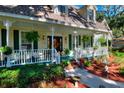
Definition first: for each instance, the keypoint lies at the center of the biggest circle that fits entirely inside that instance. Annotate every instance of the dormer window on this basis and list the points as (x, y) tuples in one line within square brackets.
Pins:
[(61, 8), (90, 14)]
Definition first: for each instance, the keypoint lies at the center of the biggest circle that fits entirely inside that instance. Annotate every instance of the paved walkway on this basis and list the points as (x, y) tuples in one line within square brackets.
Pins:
[(92, 80)]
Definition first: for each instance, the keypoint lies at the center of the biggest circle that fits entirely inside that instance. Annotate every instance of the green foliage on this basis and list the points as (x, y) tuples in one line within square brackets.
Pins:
[(66, 51), (86, 38), (65, 63), (95, 47), (24, 75), (87, 63), (6, 50), (56, 71), (121, 71), (32, 36), (119, 54), (100, 17), (102, 40)]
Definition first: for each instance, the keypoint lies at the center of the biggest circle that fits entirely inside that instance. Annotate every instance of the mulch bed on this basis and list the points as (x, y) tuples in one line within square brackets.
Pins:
[(113, 74), (57, 84)]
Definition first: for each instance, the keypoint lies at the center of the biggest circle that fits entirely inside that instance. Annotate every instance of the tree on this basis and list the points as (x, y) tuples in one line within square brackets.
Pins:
[(114, 15)]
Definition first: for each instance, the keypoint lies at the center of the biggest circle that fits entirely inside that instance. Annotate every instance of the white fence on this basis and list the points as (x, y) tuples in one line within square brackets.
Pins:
[(22, 57)]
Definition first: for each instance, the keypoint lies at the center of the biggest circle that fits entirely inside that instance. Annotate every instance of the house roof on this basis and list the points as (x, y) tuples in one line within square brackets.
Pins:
[(41, 11)]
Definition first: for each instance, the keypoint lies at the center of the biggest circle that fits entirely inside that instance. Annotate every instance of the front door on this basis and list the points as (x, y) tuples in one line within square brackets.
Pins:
[(57, 43)]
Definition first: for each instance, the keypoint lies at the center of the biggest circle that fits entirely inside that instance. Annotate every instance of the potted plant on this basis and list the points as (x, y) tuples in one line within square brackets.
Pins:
[(66, 51)]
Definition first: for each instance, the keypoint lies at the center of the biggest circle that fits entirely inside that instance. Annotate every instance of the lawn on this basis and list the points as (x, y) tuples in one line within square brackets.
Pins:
[(23, 76)]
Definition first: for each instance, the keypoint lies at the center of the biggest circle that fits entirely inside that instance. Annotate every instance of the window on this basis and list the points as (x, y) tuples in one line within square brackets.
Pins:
[(24, 43), (77, 42), (90, 14), (61, 8)]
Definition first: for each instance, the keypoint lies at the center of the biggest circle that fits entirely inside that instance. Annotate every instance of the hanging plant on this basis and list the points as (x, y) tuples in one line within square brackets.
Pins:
[(102, 40), (32, 36), (86, 38), (6, 50)]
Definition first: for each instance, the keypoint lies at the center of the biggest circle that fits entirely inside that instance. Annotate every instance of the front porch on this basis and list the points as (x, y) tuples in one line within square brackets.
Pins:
[(23, 57), (44, 50)]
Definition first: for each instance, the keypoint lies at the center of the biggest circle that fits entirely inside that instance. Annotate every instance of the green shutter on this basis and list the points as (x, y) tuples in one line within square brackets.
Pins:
[(3, 37), (79, 40), (91, 41), (16, 40), (70, 41), (83, 43), (35, 46)]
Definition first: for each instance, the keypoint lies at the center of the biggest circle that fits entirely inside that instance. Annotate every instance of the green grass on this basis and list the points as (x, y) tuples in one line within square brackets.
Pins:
[(22, 76)]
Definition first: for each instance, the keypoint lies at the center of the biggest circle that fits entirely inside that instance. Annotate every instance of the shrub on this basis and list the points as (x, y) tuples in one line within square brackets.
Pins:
[(87, 63), (23, 76), (65, 63), (56, 71), (121, 71)]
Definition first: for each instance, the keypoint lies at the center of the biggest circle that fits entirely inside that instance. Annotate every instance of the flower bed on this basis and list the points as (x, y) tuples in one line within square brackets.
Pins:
[(114, 71)]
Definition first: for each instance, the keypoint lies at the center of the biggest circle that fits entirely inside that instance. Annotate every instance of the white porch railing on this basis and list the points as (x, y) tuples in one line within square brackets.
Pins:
[(22, 57), (90, 52)]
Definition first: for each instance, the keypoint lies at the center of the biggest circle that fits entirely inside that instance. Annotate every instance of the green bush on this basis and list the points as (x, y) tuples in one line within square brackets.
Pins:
[(65, 63), (122, 71), (87, 63), (22, 76), (119, 54), (56, 71)]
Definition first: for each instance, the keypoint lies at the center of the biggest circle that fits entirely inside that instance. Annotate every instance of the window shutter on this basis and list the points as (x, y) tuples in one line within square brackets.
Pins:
[(79, 40), (16, 40), (91, 41), (35, 43), (3, 37), (83, 44), (70, 41)]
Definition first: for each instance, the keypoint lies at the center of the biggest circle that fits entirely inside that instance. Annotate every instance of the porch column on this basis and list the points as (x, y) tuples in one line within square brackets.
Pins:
[(107, 43), (75, 47), (52, 44), (0, 38), (75, 34), (7, 24)]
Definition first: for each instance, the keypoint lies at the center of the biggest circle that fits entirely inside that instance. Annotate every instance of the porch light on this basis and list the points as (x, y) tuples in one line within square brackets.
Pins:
[(75, 32)]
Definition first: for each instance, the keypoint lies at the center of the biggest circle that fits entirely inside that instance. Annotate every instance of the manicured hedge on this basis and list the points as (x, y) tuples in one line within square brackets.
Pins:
[(22, 76)]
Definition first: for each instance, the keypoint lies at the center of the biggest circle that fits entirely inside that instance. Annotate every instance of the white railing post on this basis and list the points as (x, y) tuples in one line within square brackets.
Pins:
[(8, 61)]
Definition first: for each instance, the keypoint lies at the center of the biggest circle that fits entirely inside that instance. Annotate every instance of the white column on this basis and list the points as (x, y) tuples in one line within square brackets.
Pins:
[(75, 47), (0, 37), (7, 24), (52, 43), (75, 41)]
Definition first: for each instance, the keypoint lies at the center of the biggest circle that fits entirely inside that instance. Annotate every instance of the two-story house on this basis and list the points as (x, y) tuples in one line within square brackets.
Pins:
[(59, 27)]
